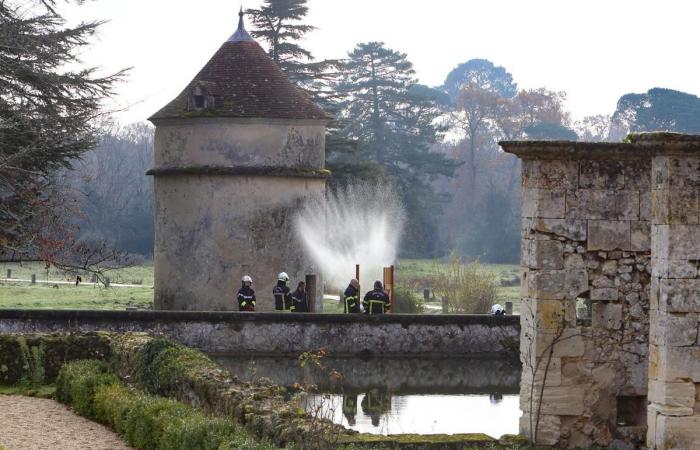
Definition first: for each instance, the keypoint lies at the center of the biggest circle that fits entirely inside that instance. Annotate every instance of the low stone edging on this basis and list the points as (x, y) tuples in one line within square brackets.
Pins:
[(284, 333)]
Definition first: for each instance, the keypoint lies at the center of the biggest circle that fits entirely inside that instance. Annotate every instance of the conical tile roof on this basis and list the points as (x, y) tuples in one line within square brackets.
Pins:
[(241, 80)]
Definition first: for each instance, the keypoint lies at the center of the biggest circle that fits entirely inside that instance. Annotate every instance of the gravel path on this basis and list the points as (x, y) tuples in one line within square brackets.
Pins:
[(28, 423)]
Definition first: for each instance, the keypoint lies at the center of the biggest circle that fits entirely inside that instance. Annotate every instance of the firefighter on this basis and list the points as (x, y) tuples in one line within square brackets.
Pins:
[(351, 297), (376, 403), (300, 298), (350, 407), (376, 301), (246, 295), (283, 299)]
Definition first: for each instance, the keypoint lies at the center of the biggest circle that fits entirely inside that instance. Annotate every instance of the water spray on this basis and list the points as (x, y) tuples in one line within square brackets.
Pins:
[(360, 225)]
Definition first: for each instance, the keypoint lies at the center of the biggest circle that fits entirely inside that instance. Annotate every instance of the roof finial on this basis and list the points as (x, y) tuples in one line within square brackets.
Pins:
[(241, 34)]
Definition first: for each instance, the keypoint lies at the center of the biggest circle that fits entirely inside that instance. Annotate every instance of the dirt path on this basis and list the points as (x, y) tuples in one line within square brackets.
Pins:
[(28, 423)]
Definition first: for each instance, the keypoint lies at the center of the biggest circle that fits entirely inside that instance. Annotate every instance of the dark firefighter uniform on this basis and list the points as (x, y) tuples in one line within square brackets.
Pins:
[(376, 302), (283, 298), (246, 299), (376, 403), (351, 300), (300, 301), (350, 408)]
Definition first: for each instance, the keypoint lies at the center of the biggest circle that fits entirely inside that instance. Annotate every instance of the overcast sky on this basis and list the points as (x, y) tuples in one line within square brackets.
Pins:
[(595, 50)]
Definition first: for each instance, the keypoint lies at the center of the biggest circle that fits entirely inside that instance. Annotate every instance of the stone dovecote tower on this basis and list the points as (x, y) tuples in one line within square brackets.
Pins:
[(235, 154)]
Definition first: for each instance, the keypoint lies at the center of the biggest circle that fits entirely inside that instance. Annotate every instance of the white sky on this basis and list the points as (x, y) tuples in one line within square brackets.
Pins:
[(595, 50)]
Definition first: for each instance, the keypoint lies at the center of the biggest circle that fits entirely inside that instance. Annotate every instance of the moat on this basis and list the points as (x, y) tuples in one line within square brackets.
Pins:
[(400, 395)]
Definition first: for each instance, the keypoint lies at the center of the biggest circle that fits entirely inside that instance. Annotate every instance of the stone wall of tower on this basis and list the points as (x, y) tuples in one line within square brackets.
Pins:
[(585, 293), (674, 369), (226, 194)]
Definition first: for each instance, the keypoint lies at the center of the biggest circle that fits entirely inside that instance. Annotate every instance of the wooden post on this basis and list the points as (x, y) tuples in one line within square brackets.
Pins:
[(509, 308), (311, 293), (9, 273), (106, 282), (33, 278), (426, 295), (389, 285), (359, 285)]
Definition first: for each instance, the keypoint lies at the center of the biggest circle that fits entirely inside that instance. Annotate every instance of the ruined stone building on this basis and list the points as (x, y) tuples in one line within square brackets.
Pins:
[(610, 314), (236, 152)]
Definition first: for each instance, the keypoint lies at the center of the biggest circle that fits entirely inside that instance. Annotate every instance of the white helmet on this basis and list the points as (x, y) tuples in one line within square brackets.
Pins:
[(283, 277), (247, 279)]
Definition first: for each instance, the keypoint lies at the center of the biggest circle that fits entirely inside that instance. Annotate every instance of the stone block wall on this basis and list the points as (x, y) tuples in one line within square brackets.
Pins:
[(585, 262), (674, 369), (280, 334)]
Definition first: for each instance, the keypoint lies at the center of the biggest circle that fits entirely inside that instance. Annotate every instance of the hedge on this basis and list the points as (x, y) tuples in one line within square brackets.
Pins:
[(37, 358), (145, 421)]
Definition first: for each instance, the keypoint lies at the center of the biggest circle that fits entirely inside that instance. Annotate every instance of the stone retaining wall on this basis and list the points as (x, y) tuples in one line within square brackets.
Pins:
[(285, 333)]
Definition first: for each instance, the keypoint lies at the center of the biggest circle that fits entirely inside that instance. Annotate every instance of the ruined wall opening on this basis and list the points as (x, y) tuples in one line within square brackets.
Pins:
[(631, 410)]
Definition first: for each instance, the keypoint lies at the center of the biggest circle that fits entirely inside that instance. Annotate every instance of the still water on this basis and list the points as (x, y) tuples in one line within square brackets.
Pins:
[(406, 395)]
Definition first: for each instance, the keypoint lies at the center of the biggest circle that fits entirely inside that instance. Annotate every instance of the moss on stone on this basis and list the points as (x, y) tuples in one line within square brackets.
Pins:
[(56, 349)]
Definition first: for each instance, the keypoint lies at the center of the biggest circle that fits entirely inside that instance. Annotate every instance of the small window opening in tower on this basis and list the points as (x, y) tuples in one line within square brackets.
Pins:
[(198, 98)]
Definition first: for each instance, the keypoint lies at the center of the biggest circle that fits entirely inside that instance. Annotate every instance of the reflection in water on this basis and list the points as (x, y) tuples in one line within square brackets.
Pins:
[(422, 414), (400, 375), (395, 396)]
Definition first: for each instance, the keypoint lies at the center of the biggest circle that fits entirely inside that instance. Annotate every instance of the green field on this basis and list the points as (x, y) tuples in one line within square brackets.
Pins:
[(415, 273), (16, 294), (419, 273)]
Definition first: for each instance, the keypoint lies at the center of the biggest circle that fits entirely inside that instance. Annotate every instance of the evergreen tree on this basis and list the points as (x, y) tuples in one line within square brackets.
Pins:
[(482, 74), (658, 110), (279, 24), (48, 104), (394, 121)]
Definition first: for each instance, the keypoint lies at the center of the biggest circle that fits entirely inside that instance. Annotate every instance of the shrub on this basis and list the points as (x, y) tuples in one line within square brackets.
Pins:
[(162, 366), (77, 382), (32, 363), (198, 432), (113, 404), (32, 359), (148, 419), (469, 288), (407, 301), (147, 422)]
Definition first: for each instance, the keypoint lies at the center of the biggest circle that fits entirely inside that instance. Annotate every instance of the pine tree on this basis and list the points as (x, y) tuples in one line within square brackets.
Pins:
[(47, 109), (279, 24), (394, 120)]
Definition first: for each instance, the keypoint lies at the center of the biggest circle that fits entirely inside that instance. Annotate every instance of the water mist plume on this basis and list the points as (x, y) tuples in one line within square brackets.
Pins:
[(356, 225)]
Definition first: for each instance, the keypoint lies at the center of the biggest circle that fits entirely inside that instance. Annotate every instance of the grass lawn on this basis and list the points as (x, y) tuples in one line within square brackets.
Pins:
[(141, 274), (23, 296), (416, 273)]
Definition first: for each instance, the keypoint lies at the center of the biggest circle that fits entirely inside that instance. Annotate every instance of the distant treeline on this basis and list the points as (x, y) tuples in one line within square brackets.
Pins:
[(436, 145)]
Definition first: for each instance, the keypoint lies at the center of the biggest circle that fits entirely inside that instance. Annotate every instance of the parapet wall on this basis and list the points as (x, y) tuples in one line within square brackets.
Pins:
[(286, 333), (610, 312)]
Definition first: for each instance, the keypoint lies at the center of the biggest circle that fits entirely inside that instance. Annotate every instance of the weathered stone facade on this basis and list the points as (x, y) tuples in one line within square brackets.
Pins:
[(225, 207), (236, 154), (610, 312)]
